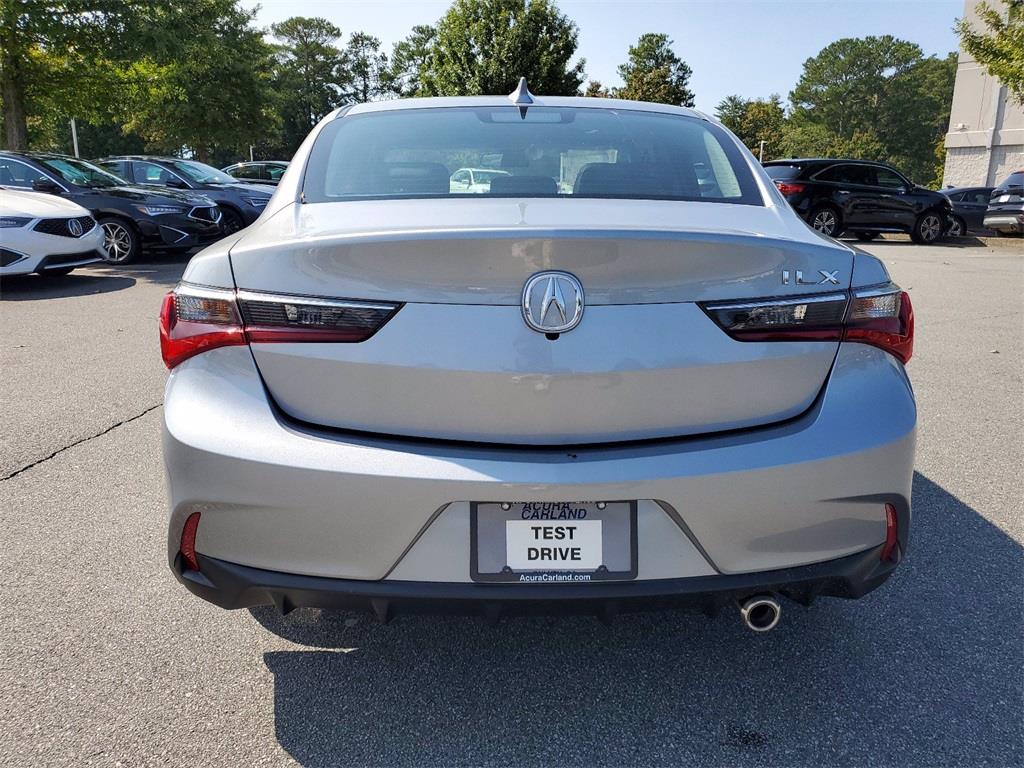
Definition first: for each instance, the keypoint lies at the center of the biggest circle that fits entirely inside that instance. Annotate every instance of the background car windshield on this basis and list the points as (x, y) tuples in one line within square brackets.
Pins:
[(548, 152), (783, 172), (201, 173), (82, 173)]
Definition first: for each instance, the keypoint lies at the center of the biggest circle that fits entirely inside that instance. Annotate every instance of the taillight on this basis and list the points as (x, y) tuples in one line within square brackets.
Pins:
[(195, 319), (788, 188), (880, 316)]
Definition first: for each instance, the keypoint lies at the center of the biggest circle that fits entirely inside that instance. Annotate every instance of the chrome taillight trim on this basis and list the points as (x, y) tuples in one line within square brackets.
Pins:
[(782, 301), (316, 301)]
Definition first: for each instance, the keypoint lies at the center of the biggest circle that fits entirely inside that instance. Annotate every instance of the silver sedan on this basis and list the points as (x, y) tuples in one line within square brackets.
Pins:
[(625, 376)]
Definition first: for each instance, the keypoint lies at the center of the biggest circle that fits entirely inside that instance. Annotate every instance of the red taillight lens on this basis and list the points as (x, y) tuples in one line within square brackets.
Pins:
[(188, 542), (881, 316), (195, 320), (788, 188), (889, 549), (883, 319)]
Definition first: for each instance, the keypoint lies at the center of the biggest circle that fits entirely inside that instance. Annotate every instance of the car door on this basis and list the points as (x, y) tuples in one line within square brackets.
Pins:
[(973, 207), (893, 204), (850, 191)]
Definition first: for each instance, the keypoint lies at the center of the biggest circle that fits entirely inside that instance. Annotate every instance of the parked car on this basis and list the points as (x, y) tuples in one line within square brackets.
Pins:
[(641, 391), (969, 205), (859, 197), (133, 218), (240, 203), (1005, 213), (474, 180), (258, 171), (45, 234)]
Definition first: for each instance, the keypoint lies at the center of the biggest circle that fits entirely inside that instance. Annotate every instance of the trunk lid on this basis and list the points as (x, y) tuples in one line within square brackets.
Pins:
[(458, 361)]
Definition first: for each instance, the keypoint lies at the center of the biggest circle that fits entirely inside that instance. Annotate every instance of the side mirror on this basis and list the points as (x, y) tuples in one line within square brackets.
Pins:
[(46, 185)]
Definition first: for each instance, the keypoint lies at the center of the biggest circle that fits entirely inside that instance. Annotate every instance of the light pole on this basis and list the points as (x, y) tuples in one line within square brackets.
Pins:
[(74, 136), (760, 154)]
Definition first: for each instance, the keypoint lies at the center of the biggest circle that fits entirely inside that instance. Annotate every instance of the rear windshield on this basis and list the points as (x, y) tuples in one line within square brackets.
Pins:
[(546, 152), (783, 172), (1013, 180)]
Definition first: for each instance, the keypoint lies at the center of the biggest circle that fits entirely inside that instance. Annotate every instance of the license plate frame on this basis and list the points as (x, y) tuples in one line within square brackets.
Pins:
[(620, 511)]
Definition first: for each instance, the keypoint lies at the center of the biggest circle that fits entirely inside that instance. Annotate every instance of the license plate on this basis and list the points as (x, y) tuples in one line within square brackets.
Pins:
[(550, 542)]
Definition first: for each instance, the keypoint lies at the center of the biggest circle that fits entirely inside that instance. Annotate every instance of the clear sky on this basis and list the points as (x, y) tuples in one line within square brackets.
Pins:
[(748, 47)]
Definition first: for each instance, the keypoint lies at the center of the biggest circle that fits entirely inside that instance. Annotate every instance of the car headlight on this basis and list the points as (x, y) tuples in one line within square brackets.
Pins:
[(159, 210), (257, 202), (10, 222)]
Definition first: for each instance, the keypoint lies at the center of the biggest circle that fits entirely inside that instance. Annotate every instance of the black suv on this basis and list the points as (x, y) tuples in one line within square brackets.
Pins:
[(860, 197), (1005, 212), (132, 217), (240, 203)]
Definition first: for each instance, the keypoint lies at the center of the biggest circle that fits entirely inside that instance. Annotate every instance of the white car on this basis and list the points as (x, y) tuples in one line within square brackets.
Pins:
[(45, 234), (474, 180)]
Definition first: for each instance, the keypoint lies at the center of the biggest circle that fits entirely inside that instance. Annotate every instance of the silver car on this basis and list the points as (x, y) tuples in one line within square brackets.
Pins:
[(627, 376)]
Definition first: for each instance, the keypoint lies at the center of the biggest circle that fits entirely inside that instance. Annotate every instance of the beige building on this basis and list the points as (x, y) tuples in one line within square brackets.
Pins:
[(985, 142)]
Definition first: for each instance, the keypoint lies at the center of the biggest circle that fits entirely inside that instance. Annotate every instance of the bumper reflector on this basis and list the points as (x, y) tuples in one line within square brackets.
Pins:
[(188, 542), (890, 552)]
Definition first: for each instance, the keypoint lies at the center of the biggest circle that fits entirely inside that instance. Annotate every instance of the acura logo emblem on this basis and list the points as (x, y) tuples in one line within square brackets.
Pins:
[(75, 227), (552, 302)]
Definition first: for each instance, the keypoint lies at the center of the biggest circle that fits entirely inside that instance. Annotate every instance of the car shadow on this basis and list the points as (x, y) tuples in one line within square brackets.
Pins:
[(925, 670), (967, 241), (78, 283)]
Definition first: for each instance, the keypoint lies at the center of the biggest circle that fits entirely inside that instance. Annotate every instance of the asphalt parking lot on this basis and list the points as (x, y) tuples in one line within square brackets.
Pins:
[(106, 660)]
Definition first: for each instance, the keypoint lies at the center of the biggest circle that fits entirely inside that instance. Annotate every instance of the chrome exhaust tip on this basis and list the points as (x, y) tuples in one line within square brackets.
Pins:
[(761, 613)]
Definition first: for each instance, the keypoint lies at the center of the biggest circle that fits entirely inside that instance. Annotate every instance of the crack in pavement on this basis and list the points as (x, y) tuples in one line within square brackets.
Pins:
[(59, 451)]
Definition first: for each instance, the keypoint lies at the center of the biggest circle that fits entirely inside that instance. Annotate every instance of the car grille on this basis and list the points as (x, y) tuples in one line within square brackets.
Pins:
[(64, 227), (209, 214), (68, 258)]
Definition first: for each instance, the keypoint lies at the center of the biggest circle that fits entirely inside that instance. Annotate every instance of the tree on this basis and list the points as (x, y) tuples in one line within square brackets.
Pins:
[(214, 91), (311, 76), (754, 121), (596, 90), (410, 62), (655, 73), (60, 52), (485, 46), (875, 98), (367, 65), (1000, 48)]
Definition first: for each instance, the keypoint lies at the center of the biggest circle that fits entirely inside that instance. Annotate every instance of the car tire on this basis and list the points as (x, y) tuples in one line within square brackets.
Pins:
[(56, 272), (120, 240), (231, 221), (957, 228), (865, 237), (927, 229), (827, 220)]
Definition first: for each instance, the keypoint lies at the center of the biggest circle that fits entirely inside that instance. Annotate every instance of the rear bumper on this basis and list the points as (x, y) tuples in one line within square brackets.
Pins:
[(276, 496), (231, 586), (1005, 222)]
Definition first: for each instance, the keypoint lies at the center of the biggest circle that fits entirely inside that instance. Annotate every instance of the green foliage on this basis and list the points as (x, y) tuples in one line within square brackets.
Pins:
[(999, 48), (596, 91), (754, 121), (874, 98), (655, 73), (410, 62), (367, 65), (310, 78), (213, 92), (485, 46)]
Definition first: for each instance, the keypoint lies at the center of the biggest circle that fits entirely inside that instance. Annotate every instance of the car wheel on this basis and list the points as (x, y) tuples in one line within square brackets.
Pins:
[(927, 228), (826, 220), (230, 221), (958, 228), (56, 272), (119, 241), (866, 236)]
